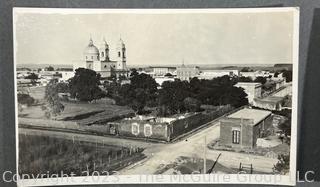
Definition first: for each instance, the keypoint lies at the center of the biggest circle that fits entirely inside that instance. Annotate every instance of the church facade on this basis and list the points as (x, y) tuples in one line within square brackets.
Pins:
[(98, 59)]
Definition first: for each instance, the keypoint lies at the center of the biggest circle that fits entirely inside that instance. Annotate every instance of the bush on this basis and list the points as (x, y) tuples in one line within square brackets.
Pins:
[(25, 99)]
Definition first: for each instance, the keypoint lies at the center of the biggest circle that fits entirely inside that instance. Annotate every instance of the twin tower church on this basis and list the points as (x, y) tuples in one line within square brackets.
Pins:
[(99, 59)]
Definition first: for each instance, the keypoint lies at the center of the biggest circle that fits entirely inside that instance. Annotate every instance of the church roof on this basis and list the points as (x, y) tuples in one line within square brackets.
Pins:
[(91, 48)]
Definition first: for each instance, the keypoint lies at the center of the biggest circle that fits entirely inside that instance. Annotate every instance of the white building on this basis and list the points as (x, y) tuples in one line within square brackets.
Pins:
[(210, 74), (252, 89), (162, 70)]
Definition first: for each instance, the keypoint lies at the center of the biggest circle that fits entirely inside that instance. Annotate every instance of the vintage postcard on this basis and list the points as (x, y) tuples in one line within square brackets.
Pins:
[(170, 96)]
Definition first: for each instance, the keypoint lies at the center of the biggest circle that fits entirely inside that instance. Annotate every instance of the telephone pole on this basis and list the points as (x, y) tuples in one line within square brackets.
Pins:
[(205, 156)]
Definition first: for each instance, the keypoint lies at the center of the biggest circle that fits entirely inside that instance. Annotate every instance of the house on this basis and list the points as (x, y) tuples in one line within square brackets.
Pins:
[(269, 103), (242, 128), (252, 89)]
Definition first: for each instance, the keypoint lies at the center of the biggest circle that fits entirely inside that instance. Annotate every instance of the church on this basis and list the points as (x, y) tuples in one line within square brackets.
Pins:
[(99, 59)]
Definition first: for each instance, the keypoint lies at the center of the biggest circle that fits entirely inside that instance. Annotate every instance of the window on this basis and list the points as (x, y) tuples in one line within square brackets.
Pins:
[(147, 130), (119, 54), (91, 57), (135, 129), (236, 136), (102, 54)]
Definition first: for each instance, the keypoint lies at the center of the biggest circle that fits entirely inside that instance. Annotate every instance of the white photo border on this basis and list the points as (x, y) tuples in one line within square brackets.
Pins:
[(173, 179)]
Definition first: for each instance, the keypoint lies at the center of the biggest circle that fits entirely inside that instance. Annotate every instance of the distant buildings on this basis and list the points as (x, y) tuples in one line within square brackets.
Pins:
[(186, 73), (162, 70), (254, 74), (242, 128), (210, 74), (252, 89)]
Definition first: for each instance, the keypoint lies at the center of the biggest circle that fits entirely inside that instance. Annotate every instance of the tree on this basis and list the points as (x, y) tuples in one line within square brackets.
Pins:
[(246, 69), (25, 99), (63, 87), (53, 107), (261, 80), (33, 78), (171, 97), (192, 104), (287, 74), (283, 164), (85, 85), (141, 91), (168, 75), (219, 91), (134, 72), (50, 68), (245, 79)]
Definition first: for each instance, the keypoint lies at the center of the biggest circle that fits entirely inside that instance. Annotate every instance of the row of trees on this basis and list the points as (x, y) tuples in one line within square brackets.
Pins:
[(176, 96), (173, 97)]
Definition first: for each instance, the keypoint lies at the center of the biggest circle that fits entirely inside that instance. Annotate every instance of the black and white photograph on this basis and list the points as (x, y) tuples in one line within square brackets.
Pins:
[(160, 96)]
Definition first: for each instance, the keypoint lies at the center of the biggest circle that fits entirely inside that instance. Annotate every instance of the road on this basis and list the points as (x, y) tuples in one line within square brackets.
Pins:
[(159, 153)]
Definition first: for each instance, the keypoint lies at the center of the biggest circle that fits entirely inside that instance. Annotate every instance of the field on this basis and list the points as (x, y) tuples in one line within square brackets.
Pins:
[(41, 154), (81, 112)]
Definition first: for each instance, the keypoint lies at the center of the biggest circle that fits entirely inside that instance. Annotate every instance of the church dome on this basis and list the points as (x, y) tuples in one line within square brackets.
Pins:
[(91, 49)]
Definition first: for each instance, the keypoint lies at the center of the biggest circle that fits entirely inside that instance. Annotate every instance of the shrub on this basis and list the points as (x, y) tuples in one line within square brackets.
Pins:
[(25, 99)]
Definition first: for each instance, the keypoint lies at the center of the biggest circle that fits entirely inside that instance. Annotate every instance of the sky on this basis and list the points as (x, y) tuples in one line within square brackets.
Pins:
[(157, 39)]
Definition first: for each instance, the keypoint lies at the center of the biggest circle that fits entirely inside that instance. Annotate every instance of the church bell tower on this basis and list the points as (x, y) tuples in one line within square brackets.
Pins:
[(121, 56), (104, 51)]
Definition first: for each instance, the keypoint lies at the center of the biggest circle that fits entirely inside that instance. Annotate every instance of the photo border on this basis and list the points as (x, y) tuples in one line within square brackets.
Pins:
[(167, 179)]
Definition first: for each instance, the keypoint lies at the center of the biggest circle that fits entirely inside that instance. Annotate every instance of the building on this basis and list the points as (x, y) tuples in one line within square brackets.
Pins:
[(269, 103), (210, 74), (161, 80), (66, 75), (185, 73), (162, 70), (254, 74), (252, 89), (99, 59), (242, 128)]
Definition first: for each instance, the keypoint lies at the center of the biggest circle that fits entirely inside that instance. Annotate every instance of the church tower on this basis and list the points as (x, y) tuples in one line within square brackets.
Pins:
[(121, 56), (104, 51)]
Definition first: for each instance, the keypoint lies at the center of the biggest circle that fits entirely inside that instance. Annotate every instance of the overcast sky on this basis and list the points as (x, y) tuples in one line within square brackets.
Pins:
[(153, 39)]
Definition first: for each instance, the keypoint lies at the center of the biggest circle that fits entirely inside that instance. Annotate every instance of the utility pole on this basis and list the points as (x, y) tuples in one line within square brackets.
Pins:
[(205, 156)]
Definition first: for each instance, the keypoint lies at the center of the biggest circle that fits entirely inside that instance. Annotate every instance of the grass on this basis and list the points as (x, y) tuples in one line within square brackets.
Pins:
[(41, 154)]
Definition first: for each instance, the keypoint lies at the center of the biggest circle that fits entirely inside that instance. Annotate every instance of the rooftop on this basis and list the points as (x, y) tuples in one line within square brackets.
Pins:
[(248, 113), (271, 99), (256, 84), (169, 67)]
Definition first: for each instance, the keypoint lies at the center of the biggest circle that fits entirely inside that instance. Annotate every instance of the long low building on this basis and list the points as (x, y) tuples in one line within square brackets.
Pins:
[(242, 128)]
